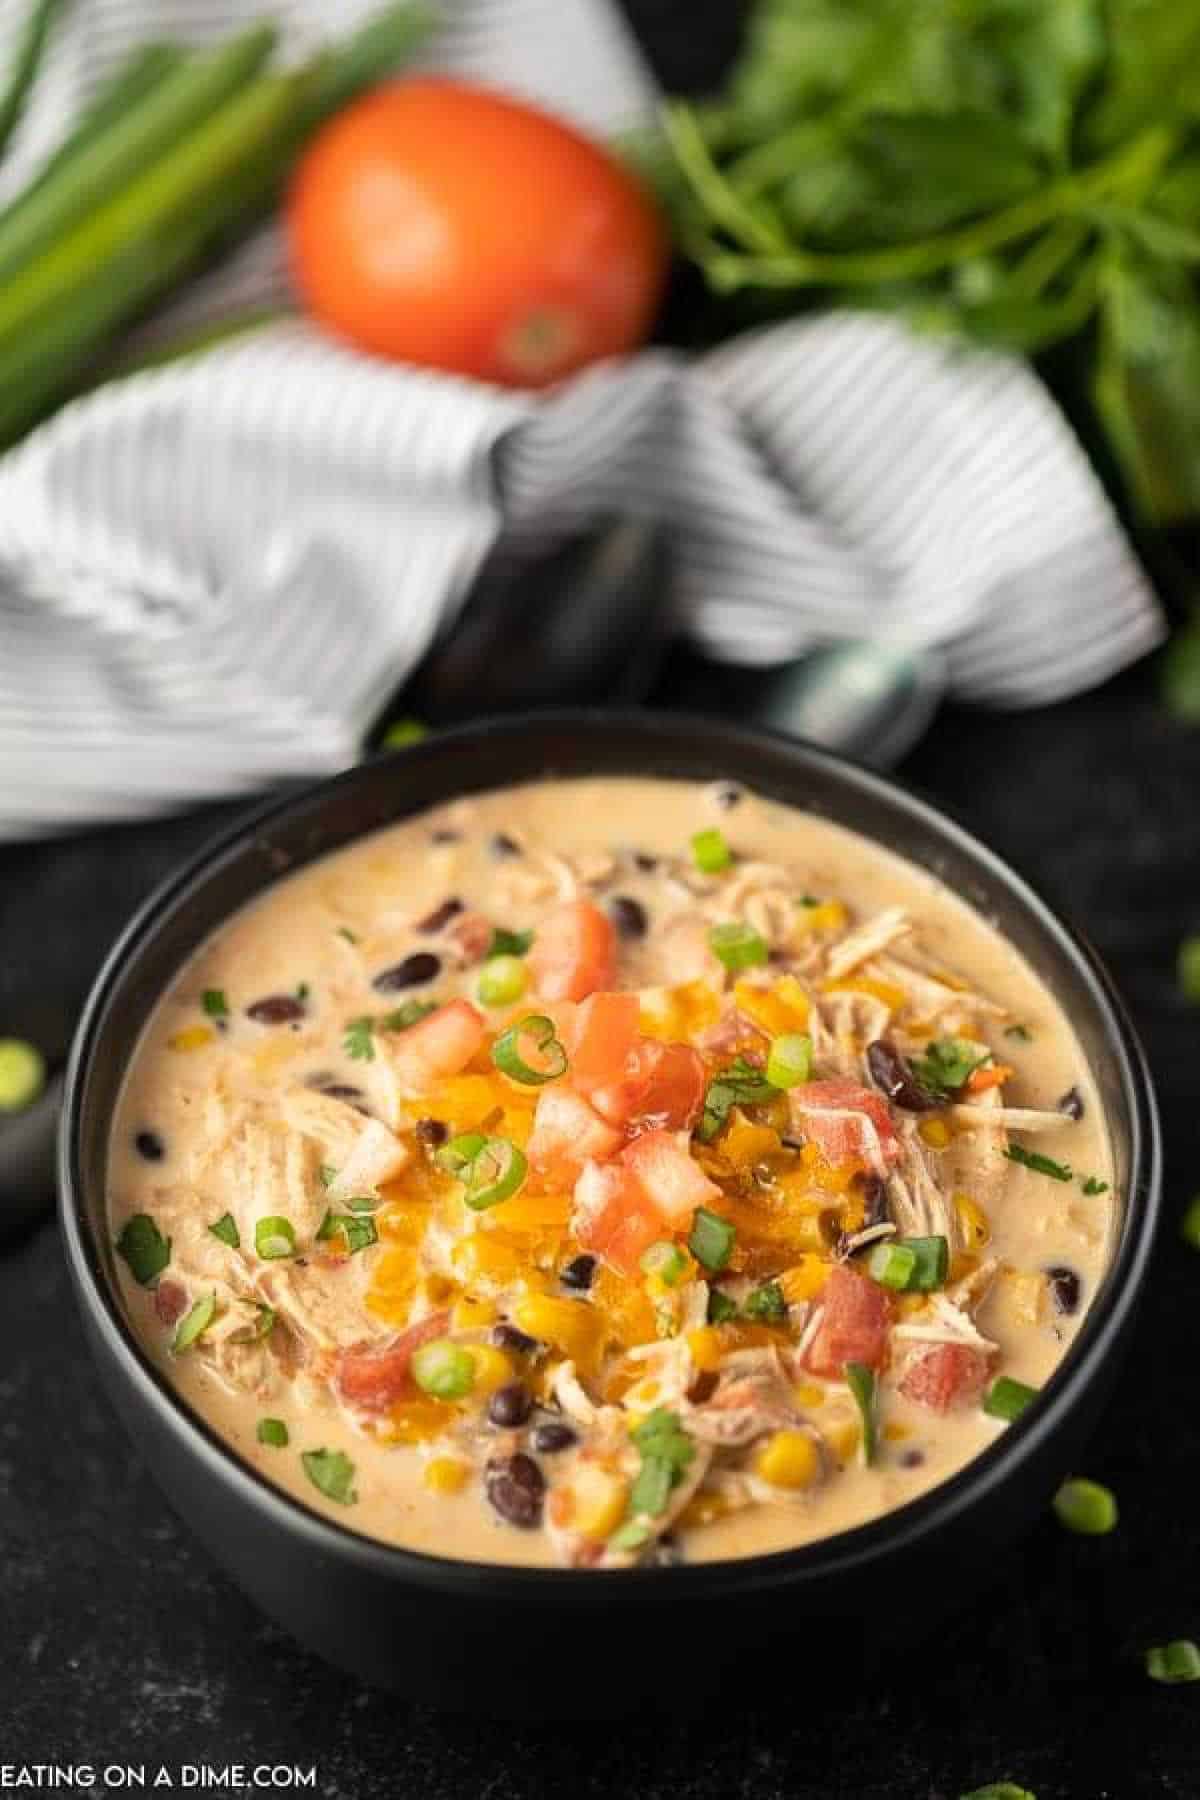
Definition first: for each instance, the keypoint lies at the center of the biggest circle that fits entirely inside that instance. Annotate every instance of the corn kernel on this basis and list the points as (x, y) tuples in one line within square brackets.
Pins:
[(572, 1326), (481, 1257), (842, 1435), (973, 1222), (789, 1459), (192, 1037), (446, 1475), (807, 1393), (706, 1348), (599, 1500), (935, 1132), (532, 1212), (471, 1314), (830, 915), (492, 1369)]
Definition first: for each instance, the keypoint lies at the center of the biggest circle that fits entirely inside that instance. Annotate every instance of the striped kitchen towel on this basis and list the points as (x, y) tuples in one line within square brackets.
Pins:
[(214, 574)]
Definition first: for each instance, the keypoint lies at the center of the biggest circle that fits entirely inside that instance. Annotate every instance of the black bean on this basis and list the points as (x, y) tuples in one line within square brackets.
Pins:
[(414, 971), (441, 915), (276, 1009), (503, 846), (1064, 1288), (874, 1194), (1072, 1103), (432, 1133), (552, 1436), (150, 1145), (578, 1273), (912, 1459), (643, 860), (515, 1487), (510, 1405), (728, 795), (893, 1077), (628, 915), (507, 1337)]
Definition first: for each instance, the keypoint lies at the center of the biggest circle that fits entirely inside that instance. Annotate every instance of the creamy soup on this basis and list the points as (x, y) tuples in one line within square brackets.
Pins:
[(608, 1170)]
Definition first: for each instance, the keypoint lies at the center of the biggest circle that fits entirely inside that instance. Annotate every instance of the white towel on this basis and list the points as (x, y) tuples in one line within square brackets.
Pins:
[(214, 574)]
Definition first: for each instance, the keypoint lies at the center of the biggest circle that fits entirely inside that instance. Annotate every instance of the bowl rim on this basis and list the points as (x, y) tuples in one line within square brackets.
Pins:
[(820, 1558)]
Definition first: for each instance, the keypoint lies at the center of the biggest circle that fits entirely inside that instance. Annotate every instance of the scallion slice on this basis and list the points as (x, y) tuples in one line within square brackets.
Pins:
[(194, 1323), (1040, 1164), (665, 1260), (144, 1248), (502, 981), (22, 1074), (274, 1237), (711, 1240), (710, 852), (443, 1369), (214, 1003), (737, 945), (910, 1265), (491, 1169), (720, 1307), (892, 1265), (273, 1432), (332, 1472), (1174, 1662), (536, 1033), (1007, 1399), (861, 1382), (1086, 1507), (790, 1061), (225, 1228), (356, 1230)]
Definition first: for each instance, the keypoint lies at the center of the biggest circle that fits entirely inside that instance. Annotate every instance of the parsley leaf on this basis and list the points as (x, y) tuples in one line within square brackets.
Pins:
[(508, 943), (357, 1041), (741, 1084), (720, 1307), (947, 1065), (333, 1473), (1041, 1165), (766, 1304), (226, 1229), (214, 1003), (144, 1248), (1093, 1185)]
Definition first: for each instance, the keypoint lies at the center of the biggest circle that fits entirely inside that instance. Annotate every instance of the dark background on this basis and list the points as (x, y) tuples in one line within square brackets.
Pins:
[(120, 1641)]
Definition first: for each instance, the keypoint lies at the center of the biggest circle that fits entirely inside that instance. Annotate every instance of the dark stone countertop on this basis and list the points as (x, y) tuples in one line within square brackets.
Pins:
[(123, 1642)]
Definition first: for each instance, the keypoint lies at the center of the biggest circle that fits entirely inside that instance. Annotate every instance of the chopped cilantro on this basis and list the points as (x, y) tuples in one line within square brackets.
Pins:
[(411, 1013), (1041, 1165), (947, 1065), (273, 1432), (356, 1232), (144, 1248), (333, 1473), (194, 1324), (214, 1003), (1093, 1185), (741, 1084), (357, 1041), (766, 1304), (226, 1229), (666, 1452), (720, 1307), (508, 943)]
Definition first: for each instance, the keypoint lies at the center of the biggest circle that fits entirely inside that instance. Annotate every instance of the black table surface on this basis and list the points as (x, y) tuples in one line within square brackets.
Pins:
[(122, 1643)]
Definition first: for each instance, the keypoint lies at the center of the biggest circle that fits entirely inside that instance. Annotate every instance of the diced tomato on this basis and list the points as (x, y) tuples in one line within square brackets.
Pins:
[(170, 1301), (662, 1082), (603, 1034), (946, 1376), (838, 1117), (567, 1133), (473, 933), (373, 1380), (574, 953), (673, 1180), (437, 1046), (614, 1216), (855, 1323)]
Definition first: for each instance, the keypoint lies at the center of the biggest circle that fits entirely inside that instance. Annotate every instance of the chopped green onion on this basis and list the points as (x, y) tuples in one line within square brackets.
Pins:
[(508, 943), (892, 1265), (443, 1369), (491, 1169), (22, 1074), (332, 1472), (356, 1233), (1189, 969), (502, 981), (1174, 1662), (1007, 1399), (362, 1203), (507, 1051), (790, 1061), (767, 1304), (710, 852), (911, 1265), (263, 1326), (720, 1307), (214, 1003), (1000, 1790), (666, 1260), (947, 1065), (1093, 1185), (711, 1241), (402, 732), (861, 1382), (736, 945), (1041, 1165), (357, 1042), (194, 1323), (632, 1535), (273, 1432), (144, 1248), (1086, 1507), (274, 1237), (226, 1229), (666, 1451), (1190, 1224), (402, 1018)]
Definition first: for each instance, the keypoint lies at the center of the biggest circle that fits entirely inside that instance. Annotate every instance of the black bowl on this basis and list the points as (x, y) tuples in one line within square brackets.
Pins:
[(549, 1641)]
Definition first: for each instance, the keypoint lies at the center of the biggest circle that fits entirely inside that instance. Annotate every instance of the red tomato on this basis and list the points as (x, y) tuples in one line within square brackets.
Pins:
[(566, 1134), (436, 222), (574, 953), (440, 1045), (373, 1380), (948, 1375), (838, 1115), (663, 1082), (615, 1218), (602, 1035), (855, 1324), (673, 1180)]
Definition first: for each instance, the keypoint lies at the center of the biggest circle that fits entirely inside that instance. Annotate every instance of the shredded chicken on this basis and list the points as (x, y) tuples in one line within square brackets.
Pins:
[(868, 940)]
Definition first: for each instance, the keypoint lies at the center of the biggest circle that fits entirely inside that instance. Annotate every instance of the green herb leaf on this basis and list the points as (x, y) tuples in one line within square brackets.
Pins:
[(194, 1323), (145, 1249), (667, 1452), (508, 943), (741, 1084), (766, 1304), (332, 1472), (411, 1013), (226, 1229), (357, 1043), (214, 1003), (357, 1233), (861, 1382), (1041, 1165), (720, 1307), (273, 1432), (711, 1240), (1174, 1662), (947, 1065), (1093, 1185)]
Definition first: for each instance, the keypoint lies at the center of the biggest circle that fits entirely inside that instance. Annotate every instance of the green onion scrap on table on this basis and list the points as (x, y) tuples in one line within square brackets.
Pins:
[(1021, 173), (178, 155)]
